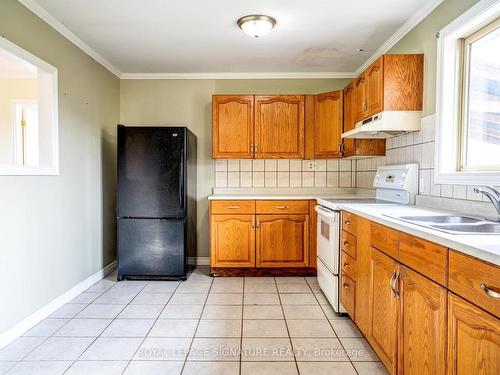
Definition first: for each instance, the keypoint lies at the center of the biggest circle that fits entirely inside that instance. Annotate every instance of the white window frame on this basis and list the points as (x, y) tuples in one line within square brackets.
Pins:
[(449, 78), (50, 162)]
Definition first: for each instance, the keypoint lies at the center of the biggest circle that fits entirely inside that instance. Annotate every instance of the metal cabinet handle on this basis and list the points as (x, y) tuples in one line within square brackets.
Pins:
[(346, 244), (258, 224), (346, 286), (251, 148), (253, 223), (234, 207), (396, 285), (347, 222), (391, 283), (490, 292), (281, 207), (346, 265), (256, 148)]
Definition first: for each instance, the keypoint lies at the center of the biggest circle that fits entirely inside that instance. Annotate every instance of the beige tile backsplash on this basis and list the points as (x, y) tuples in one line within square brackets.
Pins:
[(284, 173), (417, 147)]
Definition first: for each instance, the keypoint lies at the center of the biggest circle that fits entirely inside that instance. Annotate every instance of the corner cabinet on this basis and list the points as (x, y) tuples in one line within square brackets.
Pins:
[(279, 127), (232, 126), (390, 83), (262, 234)]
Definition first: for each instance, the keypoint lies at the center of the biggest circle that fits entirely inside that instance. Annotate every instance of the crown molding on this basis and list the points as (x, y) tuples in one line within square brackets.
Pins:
[(58, 26), (413, 21), (270, 75)]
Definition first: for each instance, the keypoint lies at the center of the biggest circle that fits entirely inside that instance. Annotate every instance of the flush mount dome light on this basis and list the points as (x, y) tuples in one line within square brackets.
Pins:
[(256, 25)]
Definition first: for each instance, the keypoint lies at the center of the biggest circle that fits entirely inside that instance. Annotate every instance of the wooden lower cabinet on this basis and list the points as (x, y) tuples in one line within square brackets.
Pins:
[(282, 241), (422, 325), (384, 309), (232, 240), (473, 339), (348, 295)]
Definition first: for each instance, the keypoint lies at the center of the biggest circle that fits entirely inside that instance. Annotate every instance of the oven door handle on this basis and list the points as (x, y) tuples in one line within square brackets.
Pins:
[(326, 213)]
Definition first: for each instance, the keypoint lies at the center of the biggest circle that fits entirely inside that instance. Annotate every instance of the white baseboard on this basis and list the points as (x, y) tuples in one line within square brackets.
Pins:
[(26, 324), (199, 261)]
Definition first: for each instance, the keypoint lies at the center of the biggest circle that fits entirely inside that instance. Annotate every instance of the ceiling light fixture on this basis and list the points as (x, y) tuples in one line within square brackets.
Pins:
[(256, 25)]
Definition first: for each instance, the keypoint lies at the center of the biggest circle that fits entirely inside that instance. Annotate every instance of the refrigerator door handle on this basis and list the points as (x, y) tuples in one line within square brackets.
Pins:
[(181, 180)]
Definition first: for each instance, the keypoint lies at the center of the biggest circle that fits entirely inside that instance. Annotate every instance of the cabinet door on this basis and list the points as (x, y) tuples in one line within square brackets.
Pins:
[(375, 87), (384, 309), (232, 242), (473, 339), (282, 241), (328, 125), (360, 102), (348, 123), (279, 127), (232, 126), (422, 327)]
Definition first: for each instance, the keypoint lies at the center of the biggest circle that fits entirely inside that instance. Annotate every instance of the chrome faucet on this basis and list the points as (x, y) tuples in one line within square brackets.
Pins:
[(493, 195)]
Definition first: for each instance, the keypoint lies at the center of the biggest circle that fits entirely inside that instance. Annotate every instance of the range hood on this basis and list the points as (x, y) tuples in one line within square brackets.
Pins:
[(386, 124)]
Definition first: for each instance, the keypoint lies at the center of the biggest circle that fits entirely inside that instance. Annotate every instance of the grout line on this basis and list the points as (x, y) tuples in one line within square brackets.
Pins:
[(241, 330), (286, 325), (197, 325), (144, 338)]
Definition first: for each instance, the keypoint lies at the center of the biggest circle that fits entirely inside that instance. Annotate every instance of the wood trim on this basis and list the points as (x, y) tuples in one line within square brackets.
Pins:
[(258, 272), (309, 126), (313, 245)]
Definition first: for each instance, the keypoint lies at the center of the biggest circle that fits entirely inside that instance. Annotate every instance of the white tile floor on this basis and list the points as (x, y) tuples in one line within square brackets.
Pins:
[(204, 326)]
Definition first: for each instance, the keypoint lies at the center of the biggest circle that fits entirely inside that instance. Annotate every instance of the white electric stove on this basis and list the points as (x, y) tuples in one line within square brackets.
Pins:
[(394, 184)]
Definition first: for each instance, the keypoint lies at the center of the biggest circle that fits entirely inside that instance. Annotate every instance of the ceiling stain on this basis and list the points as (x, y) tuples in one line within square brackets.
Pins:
[(318, 56)]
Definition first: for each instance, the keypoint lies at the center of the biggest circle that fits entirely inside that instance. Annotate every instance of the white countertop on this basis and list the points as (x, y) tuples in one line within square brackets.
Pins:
[(482, 246)]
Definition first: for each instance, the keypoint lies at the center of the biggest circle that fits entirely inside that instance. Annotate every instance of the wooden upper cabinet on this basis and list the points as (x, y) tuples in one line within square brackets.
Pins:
[(360, 98), (403, 80), (375, 87), (232, 126), (232, 240), (279, 126), (422, 325), (328, 125), (282, 241), (348, 123), (384, 309), (473, 339)]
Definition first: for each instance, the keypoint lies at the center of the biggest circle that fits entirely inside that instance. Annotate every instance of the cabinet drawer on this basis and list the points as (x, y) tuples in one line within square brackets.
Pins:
[(349, 222), (283, 207), (347, 293), (348, 264), (425, 257), (348, 243), (476, 281), (233, 207), (385, 239)]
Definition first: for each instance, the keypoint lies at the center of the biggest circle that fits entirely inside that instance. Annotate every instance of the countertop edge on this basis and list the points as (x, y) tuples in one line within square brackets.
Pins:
[(429, 235)]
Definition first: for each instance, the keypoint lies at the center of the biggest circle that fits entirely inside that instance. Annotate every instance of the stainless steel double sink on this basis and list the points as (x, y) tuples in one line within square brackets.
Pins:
[(453, 224)]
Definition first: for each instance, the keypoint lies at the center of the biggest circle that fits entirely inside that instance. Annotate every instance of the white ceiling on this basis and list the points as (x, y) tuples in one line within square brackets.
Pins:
[(201, 36)]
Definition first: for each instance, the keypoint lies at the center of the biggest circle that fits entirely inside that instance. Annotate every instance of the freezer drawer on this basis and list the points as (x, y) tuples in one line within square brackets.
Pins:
[(329, 284), (151, 248)]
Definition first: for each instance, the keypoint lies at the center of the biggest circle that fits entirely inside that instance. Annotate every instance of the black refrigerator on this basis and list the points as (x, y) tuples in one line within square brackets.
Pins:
[(156, 201)]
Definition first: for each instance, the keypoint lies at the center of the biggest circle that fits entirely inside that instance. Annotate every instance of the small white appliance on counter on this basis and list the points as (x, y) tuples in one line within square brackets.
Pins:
[(394, 184)]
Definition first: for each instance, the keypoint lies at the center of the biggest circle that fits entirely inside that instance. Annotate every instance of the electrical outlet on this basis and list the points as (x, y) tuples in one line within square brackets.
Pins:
[(311, 166)]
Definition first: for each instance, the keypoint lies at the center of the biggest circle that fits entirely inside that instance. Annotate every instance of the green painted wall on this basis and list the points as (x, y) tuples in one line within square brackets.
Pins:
[(188, 102), (422, 39), (58, 230)]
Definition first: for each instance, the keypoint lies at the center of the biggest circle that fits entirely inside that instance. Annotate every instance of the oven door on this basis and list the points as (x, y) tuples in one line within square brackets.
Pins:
[(328, 238)]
